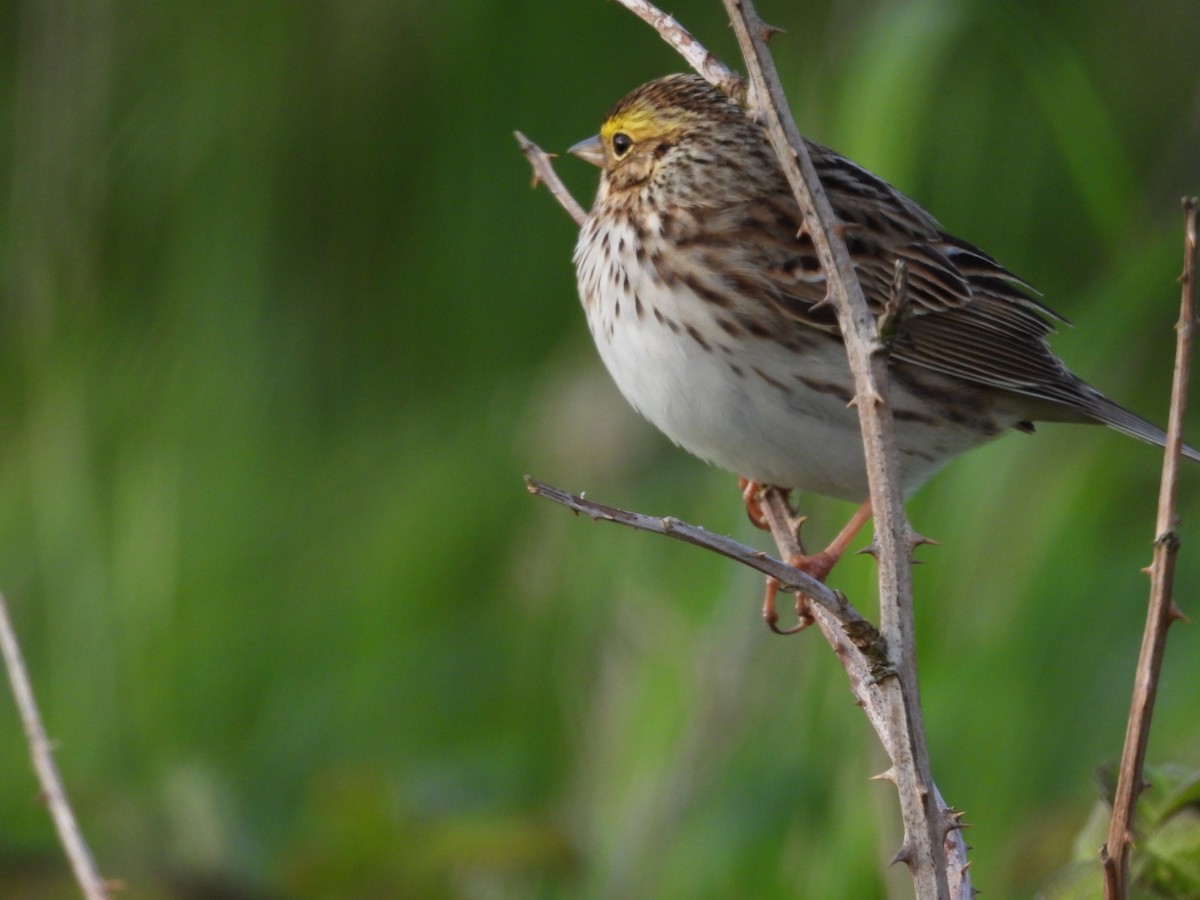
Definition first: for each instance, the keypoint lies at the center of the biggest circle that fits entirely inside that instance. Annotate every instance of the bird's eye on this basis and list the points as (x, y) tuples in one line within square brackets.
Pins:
[(621, 143)]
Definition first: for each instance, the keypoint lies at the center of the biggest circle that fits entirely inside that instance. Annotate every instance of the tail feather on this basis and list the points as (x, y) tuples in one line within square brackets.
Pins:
[(1120, 419)]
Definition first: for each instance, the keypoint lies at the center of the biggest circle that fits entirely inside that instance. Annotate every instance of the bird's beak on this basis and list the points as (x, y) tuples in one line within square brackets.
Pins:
[(590, 150)]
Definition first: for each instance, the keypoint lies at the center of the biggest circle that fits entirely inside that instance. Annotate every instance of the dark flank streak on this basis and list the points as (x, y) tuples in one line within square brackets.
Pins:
[(803, 262), (754, 326), (705, 292), (696, 336), (956, 404), (911, 415), (771, 381), (730, 327), (826, 387)]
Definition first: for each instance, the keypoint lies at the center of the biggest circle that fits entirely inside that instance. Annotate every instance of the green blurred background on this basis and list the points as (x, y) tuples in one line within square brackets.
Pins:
[(283, 326)]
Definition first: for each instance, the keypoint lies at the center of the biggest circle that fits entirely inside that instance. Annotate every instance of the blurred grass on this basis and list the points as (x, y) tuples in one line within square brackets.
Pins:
[(283, 326)]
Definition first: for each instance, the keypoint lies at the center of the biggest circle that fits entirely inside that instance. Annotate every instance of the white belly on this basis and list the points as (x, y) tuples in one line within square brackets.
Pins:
[(746, 403)]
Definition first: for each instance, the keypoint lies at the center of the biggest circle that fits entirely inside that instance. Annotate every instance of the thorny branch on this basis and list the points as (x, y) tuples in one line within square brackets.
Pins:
[(1162, 611), (842, 618), (924, 824)]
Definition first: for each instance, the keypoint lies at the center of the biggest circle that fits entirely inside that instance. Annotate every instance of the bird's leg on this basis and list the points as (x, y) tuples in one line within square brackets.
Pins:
[(771, 616), (817, 565), (751, 496)]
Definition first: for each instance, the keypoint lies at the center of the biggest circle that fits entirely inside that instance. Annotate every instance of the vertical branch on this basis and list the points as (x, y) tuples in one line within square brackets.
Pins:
[(924, 825), (90, 883), (1162, 610)]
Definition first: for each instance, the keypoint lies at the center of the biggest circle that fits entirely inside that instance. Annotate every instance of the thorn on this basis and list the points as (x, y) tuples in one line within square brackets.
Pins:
[(888, 775), (916, 539), (950, 828), (955, 823), (904, 855), (873, 400), (825, 302), (769, 31), (1175, 614), (872, 549)]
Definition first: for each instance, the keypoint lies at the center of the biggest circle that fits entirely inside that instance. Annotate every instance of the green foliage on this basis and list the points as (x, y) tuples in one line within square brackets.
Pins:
[(283, 326), (1165, 856)]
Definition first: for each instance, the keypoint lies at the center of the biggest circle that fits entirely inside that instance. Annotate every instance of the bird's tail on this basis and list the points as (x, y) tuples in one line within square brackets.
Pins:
[(1119, 418)]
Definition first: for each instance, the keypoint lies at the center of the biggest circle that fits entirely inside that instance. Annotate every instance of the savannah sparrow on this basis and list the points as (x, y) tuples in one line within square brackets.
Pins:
[(704, 296)]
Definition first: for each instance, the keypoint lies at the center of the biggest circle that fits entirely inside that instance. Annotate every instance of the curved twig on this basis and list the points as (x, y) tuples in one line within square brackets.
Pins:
[(705, 63), (790, 579)]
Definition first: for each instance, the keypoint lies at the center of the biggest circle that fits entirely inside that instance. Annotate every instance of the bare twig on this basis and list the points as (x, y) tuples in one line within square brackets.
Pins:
[(84, 866), (1162, 610), (705, 63), (790, 579), (543, 173), (924, 824)]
